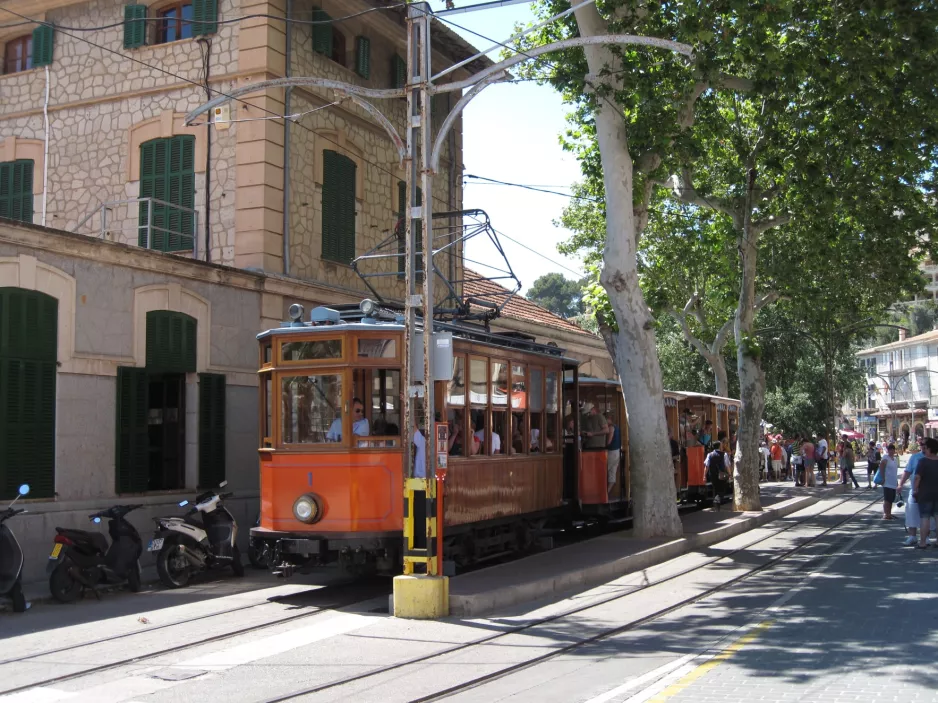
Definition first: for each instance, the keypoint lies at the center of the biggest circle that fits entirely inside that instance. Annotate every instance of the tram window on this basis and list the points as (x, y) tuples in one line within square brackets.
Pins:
[(478, 382), (518, 432), (456, 389), (499, 384), (519, 395), (457, 432), (537, 438), (499, 431), (553, 411), (480, 431), (537, 390), (311, 411), (370, 348), (311, 351), (385, 402), (267, 355), (267, 418)]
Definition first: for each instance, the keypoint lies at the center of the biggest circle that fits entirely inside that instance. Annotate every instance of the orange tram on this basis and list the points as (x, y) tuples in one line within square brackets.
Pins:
[(332, 456)]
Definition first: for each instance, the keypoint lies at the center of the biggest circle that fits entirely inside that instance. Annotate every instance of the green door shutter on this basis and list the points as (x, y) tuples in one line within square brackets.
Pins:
[(42, 45), (28, 351), (16, 190), (363, 56), (338, 207), (131, 460), (135, 26), (171, 342), (211, 429), (204, 17), (322, 33), (167, 173)]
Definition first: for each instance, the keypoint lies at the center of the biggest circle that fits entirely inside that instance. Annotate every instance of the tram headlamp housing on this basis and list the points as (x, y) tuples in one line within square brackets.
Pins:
[(308, 508)]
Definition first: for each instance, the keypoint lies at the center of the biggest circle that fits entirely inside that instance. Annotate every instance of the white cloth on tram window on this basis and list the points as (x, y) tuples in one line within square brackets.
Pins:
[(360, 428), (420, 456), (496, 441)]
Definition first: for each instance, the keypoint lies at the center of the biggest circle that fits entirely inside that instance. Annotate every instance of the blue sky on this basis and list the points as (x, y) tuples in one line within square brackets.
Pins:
[(511, 134)]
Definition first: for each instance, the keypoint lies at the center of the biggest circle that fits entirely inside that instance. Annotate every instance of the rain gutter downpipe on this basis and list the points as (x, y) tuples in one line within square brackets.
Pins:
[(45, 156)]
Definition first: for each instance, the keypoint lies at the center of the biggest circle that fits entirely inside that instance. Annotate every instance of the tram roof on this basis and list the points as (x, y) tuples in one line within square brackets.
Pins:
[(679, 395), (351, 319)]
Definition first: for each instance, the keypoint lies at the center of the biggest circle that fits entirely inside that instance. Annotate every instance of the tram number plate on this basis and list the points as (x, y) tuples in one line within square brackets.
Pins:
[(155, 545), (56, 550)]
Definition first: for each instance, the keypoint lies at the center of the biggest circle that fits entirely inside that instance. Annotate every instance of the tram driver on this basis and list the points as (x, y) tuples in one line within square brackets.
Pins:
[(360, 427)]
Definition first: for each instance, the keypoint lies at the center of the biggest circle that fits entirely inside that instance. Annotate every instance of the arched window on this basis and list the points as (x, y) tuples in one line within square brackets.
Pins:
[(338, 207), (28, 347), (167, 175), (18, 54)]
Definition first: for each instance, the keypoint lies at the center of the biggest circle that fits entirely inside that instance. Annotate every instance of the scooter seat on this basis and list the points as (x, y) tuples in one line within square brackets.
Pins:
[(94, 540)]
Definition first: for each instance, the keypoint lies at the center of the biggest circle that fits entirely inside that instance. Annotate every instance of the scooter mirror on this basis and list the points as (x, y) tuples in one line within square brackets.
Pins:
[(24, 489), (97, 520), (183, 503), (222, 484)]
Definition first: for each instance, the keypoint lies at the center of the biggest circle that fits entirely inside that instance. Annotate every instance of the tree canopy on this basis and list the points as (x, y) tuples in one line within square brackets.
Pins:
[(558, 294)]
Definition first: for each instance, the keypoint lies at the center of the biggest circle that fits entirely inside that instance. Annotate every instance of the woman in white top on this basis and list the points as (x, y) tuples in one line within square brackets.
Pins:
[(889, 468)]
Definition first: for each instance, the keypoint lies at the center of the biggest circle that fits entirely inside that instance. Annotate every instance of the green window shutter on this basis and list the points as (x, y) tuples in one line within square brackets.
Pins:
[(135, 26), (363, 57), (322, 33), (16, 190), (167, 173), (398, 72), (338, 207), (204, 17), (171, 342), (131, 456), (42, 45), (28, 350), (212, 396)]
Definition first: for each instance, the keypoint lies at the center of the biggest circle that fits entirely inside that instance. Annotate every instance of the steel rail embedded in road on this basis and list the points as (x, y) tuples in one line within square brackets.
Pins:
[(589, 640), (319, 610)]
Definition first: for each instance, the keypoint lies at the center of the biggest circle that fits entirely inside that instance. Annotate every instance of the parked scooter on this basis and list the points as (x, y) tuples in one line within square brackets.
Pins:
[(81, 559), (11, 557), (203, 539)]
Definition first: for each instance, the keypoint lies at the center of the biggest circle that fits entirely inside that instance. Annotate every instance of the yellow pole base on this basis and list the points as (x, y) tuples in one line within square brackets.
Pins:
[(421, 597)]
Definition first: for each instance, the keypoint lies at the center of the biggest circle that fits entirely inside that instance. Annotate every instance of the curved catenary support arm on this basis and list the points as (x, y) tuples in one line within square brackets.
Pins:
[(456, 112), (479, 81), (652, 42), (382, 120), (296, 82)]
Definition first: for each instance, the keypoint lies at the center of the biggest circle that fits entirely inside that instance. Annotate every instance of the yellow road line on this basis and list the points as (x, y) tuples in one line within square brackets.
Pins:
[(711, 664)]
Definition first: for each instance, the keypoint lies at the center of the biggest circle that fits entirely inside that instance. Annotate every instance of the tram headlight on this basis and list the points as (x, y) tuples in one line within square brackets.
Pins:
[(307, 508)]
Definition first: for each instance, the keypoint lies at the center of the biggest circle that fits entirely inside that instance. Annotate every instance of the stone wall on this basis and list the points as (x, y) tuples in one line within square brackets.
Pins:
[(96, 96)]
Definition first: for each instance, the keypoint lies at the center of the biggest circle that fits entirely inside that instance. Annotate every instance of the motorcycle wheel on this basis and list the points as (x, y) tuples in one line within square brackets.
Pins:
[(260, 559), (133, 578), (63, 587), (19, 600), (237, 566), (172, 567)]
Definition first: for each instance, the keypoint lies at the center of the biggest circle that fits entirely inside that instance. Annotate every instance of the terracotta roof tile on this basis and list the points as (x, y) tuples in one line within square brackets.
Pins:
[(518, 307)]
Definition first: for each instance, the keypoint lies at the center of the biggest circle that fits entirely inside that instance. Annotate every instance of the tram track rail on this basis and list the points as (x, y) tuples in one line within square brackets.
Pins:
[(349, 600), (586, 641)]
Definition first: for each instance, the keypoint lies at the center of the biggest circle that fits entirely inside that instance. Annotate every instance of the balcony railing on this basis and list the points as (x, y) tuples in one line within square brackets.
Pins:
[(145, 222)]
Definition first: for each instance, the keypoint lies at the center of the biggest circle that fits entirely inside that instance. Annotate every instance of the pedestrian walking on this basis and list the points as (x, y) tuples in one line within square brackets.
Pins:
[(925, 493), (873, 458), (822, 455), (613, 452), (765, 455), (889, 474), (717, 463), (846, 465), (912, 515), (778, 459), (807, 456)]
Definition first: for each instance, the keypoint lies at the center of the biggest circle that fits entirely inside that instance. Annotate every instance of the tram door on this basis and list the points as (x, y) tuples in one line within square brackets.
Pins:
[(571, 431)]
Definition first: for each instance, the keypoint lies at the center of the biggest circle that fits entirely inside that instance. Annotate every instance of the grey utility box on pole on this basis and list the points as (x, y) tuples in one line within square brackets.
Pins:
[(441, 356)]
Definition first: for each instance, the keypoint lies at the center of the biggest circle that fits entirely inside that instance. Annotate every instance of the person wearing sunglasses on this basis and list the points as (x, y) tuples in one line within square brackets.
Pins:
[(360, 425)]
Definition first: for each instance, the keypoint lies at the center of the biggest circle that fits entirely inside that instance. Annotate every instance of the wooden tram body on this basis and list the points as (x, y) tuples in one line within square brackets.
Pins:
[(332, 480)]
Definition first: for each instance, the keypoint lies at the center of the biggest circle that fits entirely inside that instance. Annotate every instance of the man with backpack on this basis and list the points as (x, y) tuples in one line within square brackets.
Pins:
[(873, 457), (717, 463)]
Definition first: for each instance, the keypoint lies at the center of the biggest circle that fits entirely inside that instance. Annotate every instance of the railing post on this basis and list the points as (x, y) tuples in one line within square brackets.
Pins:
[(103, 221), (149, 220), (195, 238)]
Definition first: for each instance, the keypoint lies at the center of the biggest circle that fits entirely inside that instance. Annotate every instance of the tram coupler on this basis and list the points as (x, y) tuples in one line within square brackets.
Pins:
[(283, 571)]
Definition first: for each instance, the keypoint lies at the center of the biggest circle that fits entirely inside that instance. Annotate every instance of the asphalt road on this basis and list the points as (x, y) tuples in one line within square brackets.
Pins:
[(850, 615)]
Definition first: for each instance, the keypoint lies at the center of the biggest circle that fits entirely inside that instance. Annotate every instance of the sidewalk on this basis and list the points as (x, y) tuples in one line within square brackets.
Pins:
[(593, 562)]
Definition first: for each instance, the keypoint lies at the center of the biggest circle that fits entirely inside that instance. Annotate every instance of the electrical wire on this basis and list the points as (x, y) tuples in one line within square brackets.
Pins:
[(30, 21), (534, 251), (492, 181)]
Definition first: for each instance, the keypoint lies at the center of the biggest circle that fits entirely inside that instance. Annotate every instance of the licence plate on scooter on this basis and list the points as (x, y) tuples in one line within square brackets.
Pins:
[(155, 544), (56, 550)]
